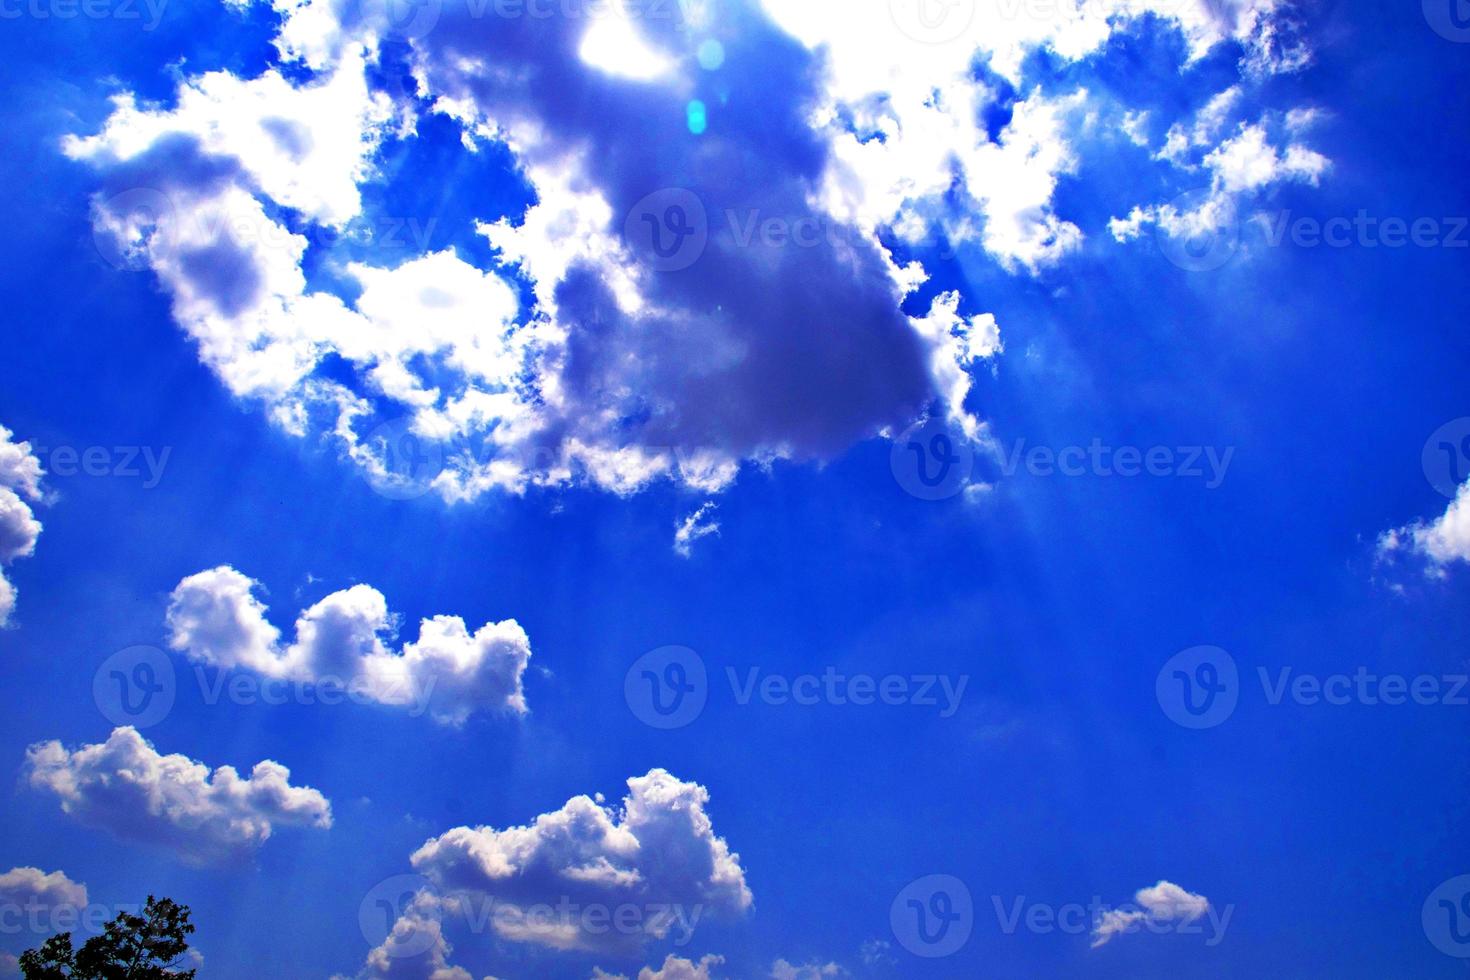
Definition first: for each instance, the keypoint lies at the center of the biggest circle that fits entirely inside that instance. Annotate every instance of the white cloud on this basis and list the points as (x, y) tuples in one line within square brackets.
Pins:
[(215, 618), (1441, 542), (782, 970), (677, 968), (415, 948), (593, 877), (1164, 902), (306, 147), (620, 375), (1240, 160), (124, 786), (1248, 161), (25, 887), (20, 485), (696, 525), (957, 343)]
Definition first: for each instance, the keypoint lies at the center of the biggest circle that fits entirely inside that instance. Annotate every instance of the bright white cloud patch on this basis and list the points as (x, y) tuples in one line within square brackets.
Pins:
[(415, 948), (1238, 162), (1162, 903), (20, 485), (124, 786), (673, 968), (594, 877), (1441, 542), (842, 138), (215, 618), (783, 970), (700, 523), (27, 888)]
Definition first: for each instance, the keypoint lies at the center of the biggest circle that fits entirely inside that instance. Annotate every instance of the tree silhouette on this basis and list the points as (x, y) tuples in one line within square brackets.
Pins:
[(131, 947)]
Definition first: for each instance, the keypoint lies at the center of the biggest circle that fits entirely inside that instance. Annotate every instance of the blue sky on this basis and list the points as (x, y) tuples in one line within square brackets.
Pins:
[(1037, 229)]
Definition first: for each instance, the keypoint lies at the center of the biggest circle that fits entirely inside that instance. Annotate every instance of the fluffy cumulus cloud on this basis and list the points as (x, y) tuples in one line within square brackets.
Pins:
[(783, 970), (27, 888), (20, 486), (1440, 542), (589, 876), (124, 786), (1233, 158), (215, 618), (415, 947), (673, 968), (1163, 903), (715, 265)]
